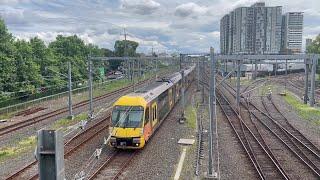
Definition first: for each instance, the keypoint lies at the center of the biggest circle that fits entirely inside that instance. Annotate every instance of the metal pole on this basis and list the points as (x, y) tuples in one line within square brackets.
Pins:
[(182, 118), (90, 90), (313, 80), (202, 74), (198, 73), (255, 70), (275, 69), (225, 67), (133, 75), (306, 82), (212, 109), (238, 84), (156, 68), (70, 90), (285, 84), (252, 74), (180, 62)]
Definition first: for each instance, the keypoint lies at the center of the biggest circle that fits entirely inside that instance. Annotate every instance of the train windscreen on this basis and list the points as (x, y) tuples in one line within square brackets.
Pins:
[(127, 116)]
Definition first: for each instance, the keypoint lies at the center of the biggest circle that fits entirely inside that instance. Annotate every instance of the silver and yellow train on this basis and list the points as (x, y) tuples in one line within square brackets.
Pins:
[(136, 116)]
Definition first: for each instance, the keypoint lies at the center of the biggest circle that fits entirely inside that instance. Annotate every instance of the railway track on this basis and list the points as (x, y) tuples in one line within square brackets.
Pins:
[(62, 111), (73, 144), (275, 122), (200, 141), (264, 162), (114, 165)]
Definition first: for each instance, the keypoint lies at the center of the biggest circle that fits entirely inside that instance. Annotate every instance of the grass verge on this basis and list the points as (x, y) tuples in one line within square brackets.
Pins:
[(29, 143), (191, 116), (304, 111), (21, 146)]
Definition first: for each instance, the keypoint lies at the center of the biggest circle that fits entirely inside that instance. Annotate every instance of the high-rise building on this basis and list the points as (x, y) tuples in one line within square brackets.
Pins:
[(224, 34), (292, 28), (252, 30)]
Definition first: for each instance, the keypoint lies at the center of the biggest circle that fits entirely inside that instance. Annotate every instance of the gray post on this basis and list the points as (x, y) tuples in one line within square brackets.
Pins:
[(275, 69), (255, 70), (225, 67), (306, 82), (70, 90), (212, 110), (198, 73), (238, 84), (50, 155), (156, 68), (133, 85), (182, 118), (202, 74), (313, 80), (90, 90), (286, 73), (180, 62), (252, 73)]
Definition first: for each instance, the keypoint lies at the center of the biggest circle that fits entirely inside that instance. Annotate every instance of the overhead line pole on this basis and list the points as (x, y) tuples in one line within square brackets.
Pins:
[(70, 90), (90, 89), (212, 110)]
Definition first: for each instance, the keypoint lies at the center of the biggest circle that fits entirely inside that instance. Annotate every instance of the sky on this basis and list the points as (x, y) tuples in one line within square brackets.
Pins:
[(166, 25)]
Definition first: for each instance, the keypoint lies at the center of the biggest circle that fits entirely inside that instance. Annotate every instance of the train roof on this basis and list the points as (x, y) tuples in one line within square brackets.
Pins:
[(159, 86)]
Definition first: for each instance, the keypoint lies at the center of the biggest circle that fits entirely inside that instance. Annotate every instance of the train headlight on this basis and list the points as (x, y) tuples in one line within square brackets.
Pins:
[(136, 141), (113, 140)]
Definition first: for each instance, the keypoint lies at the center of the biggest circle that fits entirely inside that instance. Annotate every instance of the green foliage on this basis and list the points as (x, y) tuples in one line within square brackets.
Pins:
[(21, 146), (30, 66), (125, 48), (315, 48), (191, 116), (305, 111)]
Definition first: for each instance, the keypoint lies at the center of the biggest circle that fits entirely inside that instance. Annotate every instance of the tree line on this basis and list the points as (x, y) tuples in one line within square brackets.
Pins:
[(31, 66), (314, 47)]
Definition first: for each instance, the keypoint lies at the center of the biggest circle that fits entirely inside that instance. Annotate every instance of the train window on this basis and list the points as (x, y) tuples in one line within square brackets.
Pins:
[(146, 118)]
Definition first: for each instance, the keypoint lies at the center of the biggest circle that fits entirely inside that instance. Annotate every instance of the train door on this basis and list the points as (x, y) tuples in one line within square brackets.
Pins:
[(170, 98), (147, 125), (174, 94), (154, 114)]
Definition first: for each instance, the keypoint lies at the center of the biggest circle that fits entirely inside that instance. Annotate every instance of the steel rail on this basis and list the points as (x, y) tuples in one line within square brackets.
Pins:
[(293, 147), (71, 149), (110, 159), (254, 147)]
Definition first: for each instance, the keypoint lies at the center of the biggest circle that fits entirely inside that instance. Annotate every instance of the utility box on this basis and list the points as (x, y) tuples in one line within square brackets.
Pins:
[(50, 155)]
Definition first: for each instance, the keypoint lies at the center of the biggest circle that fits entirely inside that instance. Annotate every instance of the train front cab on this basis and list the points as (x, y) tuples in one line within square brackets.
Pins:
[(130, 128)]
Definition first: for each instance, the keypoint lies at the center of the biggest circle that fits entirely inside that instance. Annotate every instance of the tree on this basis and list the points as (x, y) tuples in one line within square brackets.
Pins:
[(315, 48), (7, 64), (42, 55), (27, 70), (130, 50), (73, 49)]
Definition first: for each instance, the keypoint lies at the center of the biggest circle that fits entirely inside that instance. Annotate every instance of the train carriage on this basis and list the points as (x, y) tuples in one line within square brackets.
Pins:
[(136, 116)]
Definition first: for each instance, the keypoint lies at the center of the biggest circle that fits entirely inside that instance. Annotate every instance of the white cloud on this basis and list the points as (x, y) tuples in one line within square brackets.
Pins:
[(142, 7), (190, 9), (179, 25)]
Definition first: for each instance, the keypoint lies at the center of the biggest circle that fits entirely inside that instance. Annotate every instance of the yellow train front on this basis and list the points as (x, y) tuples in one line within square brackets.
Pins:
[(136, 116)]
